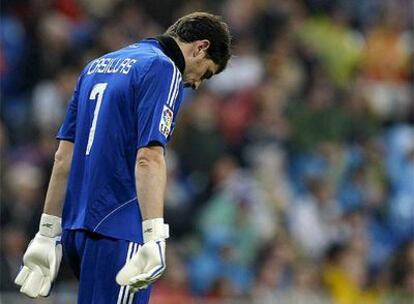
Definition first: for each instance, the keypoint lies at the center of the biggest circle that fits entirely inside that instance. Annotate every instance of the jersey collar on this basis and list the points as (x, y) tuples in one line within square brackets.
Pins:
[(172, 50)]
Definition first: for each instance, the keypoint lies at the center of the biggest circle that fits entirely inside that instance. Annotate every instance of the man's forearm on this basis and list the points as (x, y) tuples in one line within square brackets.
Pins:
[(59, 179), (151, 177)]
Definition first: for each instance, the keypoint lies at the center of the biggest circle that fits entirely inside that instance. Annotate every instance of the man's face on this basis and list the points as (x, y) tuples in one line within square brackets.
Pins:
[(198, 66)]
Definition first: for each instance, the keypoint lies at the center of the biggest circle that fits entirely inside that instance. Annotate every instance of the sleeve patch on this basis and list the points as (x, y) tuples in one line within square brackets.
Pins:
[(166, 121)]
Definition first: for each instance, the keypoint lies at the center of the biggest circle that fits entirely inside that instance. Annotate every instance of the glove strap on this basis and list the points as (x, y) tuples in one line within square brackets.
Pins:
[(155, 229), (50, 225)]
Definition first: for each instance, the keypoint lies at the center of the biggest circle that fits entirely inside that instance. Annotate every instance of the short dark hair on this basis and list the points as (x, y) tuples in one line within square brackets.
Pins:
[(201, 25)]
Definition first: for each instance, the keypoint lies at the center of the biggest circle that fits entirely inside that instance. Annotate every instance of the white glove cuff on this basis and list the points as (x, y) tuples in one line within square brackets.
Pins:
[(50, 225), (155, 229)]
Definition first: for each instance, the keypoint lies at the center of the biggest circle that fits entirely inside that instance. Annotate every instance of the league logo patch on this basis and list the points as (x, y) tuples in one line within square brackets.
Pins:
[(166, 121)]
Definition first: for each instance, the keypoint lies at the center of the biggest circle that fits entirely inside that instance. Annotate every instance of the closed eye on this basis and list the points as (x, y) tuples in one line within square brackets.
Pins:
[(207, 75)]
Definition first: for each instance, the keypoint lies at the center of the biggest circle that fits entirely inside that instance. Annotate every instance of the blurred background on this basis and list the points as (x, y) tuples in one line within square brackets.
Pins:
[(291, 174)]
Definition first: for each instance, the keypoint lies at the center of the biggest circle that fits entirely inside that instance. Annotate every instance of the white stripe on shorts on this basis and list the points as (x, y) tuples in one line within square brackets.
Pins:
[(129, 296), (122, 289)]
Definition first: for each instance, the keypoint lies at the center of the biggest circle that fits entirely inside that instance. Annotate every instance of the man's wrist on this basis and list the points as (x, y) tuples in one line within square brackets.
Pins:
[(50, 225), (154, 229)]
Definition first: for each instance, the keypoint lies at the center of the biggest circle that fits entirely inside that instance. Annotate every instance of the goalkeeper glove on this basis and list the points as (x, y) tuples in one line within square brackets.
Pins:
[(148, 264), (42, 259)]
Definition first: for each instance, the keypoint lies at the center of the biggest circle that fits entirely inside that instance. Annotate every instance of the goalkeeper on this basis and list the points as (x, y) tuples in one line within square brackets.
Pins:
[(110, 170)]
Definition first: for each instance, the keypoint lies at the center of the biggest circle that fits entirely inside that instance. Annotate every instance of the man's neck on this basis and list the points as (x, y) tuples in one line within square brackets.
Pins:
[(172, 49)]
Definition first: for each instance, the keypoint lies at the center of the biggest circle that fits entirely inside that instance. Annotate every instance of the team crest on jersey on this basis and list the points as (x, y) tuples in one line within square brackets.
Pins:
[(166, 121)]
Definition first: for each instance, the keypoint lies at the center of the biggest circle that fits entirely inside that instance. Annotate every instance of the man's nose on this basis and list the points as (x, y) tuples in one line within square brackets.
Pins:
[(196, 84)]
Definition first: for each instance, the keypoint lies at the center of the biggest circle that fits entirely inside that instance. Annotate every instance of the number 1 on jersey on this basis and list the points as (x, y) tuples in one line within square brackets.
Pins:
[(96, 94)]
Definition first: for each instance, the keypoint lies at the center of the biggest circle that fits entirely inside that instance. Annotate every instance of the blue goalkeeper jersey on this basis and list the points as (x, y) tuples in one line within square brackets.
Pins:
[(123, 101)]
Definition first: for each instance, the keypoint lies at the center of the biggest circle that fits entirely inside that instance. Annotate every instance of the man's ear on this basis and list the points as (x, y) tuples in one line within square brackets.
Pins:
[(201, 46)]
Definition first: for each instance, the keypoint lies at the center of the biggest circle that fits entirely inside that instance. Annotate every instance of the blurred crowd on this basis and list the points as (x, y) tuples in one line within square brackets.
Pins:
[(291, 174)]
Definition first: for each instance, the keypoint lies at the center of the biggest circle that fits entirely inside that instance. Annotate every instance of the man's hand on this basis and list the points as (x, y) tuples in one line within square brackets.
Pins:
[(148, 264), (42, 259)]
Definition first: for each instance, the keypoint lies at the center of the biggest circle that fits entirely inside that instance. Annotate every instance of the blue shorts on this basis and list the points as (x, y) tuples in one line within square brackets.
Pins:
[(95, 261)]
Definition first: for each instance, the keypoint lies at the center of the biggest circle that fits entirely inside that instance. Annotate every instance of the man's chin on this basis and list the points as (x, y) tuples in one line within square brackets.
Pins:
[(189, 85)]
